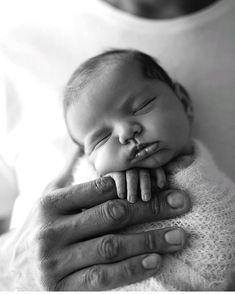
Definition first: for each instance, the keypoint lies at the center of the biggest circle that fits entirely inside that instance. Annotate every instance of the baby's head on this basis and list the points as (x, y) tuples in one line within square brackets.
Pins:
[(124, 111)]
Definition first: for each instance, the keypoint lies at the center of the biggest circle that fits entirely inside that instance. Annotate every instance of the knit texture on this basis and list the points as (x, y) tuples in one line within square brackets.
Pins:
[(208, 258)]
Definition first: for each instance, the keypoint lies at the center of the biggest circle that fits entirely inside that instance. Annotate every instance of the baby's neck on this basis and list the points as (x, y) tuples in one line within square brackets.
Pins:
[(188, 148)]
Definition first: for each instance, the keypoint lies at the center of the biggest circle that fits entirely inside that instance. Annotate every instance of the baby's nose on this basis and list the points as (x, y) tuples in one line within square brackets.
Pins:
[(128, 132)]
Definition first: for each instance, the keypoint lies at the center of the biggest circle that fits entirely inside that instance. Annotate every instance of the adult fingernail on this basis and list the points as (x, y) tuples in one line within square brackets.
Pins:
[(121, 195), (174, 237), (175, 200), (151, 261)]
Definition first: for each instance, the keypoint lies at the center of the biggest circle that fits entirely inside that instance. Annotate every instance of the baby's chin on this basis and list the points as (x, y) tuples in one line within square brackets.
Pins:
[(164, 156)]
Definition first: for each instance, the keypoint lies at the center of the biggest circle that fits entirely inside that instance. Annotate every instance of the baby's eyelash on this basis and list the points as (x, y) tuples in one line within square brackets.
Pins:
[(101, 141), (143, 105)]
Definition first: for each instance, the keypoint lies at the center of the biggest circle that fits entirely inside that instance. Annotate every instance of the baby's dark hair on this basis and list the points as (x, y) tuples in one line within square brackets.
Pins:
[(90, 68)]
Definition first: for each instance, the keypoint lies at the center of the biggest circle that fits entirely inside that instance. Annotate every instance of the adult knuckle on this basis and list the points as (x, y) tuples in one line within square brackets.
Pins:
[(150, 241), (129, 270), (109, 247), (102, 183), (95, 278), (115, 211), (44, 250), (47, 232), (43, 202), (41, 235), (46, 201), (155, 206), (50, 265)]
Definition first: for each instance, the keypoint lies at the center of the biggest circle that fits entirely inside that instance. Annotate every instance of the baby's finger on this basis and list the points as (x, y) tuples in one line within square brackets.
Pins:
[(145, 184), (132, 184), (120, 181), (160, 177)]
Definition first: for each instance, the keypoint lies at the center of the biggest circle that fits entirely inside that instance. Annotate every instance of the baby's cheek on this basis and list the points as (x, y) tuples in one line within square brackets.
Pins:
[(106, 162), (103, 164)]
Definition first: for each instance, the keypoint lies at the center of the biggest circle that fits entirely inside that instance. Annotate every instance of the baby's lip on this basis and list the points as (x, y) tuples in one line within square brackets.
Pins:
[(142, 151)]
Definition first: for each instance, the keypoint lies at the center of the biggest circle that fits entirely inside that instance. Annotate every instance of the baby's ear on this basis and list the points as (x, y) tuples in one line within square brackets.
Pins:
[(183, 96)]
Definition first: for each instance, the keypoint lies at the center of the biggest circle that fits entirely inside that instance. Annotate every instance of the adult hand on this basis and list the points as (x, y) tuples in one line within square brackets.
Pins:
[(71, 241)]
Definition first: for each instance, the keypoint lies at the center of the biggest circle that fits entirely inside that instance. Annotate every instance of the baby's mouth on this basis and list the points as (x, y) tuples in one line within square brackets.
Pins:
[(143, 151)]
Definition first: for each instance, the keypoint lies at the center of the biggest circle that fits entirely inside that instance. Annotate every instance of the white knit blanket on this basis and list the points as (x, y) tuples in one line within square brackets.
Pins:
[(208, 258)]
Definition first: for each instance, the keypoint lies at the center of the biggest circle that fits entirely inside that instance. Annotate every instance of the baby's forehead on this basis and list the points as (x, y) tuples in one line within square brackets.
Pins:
[(103, 95), (116, 68), (115, 84)]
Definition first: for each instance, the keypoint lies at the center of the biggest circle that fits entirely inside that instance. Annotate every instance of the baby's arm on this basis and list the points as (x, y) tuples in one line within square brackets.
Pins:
[(138, 180)]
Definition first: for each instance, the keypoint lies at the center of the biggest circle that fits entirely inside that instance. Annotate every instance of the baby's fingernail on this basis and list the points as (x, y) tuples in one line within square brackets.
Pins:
[(174, 237), (175, 200), (121, 195), (132, 198), (151, 261), (146, 197)]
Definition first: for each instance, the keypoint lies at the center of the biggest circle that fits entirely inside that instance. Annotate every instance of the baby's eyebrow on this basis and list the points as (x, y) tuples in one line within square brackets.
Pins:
[(128, 101), (133, 97)]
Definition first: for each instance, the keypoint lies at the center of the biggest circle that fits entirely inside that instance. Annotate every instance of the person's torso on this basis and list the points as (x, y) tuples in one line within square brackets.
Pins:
[(45, 41)]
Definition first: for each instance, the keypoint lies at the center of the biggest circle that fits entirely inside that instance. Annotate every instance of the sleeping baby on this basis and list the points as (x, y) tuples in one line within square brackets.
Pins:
[(133, 123)]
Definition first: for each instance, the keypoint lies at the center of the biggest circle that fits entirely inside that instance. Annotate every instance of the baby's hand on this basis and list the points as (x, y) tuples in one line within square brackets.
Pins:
[(132, 181)]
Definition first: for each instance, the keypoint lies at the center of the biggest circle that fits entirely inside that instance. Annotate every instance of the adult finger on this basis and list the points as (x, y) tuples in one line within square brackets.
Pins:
[(116, 214), (82, 196), (145, 184), (116, 247), (132, 180), (110, 276)]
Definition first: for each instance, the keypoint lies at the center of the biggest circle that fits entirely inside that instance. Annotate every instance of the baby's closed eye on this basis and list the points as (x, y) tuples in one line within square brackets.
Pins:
[(101, 140), (144, 106)]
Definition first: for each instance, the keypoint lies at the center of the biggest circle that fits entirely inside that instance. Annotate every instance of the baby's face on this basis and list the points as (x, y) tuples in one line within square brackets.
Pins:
[(125, 120)]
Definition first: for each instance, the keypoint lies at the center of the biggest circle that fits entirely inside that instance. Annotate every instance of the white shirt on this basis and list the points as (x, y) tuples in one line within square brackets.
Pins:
[(43, 42)]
